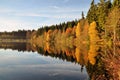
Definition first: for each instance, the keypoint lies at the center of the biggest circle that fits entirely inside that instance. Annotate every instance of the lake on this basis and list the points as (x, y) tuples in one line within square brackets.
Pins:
[(22, 61), (18, 63)]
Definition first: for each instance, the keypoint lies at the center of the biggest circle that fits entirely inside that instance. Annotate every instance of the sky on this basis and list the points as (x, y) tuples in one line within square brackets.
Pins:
[(33, 14)]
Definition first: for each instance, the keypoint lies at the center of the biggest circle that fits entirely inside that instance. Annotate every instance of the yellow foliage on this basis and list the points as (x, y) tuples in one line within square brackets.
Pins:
[(77, 54), (92, 54), (84, 35), (93, 33), (78, 30), (55, 31), (49, 35), (82, 30)]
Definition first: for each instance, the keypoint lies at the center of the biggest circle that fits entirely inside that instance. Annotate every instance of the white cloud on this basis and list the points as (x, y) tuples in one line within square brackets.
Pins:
[(52, 12), (64, 15)]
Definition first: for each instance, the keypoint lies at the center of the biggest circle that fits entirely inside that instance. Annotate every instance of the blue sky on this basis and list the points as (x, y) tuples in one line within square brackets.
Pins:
[(32, 14)]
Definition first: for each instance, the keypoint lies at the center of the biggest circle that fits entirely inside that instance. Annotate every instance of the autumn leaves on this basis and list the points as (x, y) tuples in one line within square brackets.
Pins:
[(73, 42)]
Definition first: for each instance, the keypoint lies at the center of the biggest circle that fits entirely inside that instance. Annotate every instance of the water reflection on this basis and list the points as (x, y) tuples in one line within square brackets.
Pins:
[(20, 46), (99, 61), (24, 65)]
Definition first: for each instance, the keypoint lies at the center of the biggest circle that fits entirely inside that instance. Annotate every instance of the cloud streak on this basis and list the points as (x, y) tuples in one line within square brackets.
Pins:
[(53, 12)]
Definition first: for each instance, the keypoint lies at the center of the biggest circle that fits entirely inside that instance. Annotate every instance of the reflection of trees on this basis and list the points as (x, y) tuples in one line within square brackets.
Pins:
[(96, 69), (107, 66), (70, 53), (20, 46), (93, 52), (64, 53), (81, 55), (100, 62), (94, 59)]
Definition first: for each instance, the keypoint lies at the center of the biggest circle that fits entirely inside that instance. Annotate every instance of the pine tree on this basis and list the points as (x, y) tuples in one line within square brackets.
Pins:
[(112, 24), (92, 3), (83, 15), (102, 1), (116, 3), (91, 15), (102, 12)]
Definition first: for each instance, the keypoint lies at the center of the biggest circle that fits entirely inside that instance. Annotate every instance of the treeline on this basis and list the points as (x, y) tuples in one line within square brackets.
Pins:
[(20, 34), (62, 26)]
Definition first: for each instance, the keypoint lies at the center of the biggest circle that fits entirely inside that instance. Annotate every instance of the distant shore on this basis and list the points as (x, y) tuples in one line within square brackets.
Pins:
[(14, 40)]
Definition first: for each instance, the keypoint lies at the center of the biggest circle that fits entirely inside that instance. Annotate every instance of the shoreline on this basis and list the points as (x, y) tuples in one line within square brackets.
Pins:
[(14, 40)]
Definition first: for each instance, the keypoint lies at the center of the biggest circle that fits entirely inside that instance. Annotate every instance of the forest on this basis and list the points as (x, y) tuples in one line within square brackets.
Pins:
[(101, 26), (92, 41)]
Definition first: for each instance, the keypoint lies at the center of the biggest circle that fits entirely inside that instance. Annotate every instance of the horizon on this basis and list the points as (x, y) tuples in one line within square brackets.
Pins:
[(32, 14)]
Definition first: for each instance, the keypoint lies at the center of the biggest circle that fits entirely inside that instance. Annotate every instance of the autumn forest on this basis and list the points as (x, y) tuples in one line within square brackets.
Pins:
[(92, 41)]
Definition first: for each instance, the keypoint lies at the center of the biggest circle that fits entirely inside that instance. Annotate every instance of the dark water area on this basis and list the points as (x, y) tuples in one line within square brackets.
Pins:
[(23, 61)]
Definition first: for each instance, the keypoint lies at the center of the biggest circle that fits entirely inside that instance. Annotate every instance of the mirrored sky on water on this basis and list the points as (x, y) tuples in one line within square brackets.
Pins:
[(31, 65)]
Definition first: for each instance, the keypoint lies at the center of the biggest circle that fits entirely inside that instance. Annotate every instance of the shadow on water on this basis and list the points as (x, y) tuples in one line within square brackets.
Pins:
[(101, 62)]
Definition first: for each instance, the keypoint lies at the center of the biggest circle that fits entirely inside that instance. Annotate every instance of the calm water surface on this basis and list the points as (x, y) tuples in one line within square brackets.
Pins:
[(24, 61), (16, 65)]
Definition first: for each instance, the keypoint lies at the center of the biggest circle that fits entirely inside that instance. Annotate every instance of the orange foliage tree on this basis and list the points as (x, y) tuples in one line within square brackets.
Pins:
[(68, 31), (49, 35)]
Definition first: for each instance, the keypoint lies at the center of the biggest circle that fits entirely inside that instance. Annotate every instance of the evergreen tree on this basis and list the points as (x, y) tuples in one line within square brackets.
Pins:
[(116, 3), (83, 15), (112, 24), (102, 1), (91, 16), (102, 13)]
